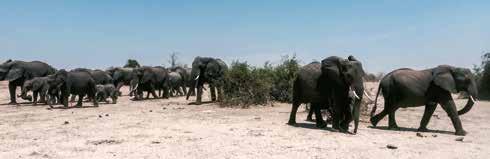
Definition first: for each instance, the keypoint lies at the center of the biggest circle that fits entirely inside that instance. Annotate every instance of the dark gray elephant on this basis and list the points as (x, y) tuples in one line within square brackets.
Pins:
[(334, 84), (207, 70), (176, 84), (411, 88), (78, 83), (39, 87), (106, 91), (17, 72), (121, 77), (100, 77), (150, 79)]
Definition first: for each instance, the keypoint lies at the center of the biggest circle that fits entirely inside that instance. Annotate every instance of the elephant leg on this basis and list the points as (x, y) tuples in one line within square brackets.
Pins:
[(392, 121), (92, 95), (220, 93), (320, 123), (292, 115), (184, 89), (387, 109), (44, 97), (80, 100), (429, 110), (199, 95), (35, 94), (310, 114), (12, 88), (212, 91), (450, 107)]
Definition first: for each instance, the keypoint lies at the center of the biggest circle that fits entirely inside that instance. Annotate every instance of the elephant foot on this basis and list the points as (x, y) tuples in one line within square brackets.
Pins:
[(321, 125), (423, 130), (96, 105), (78, 105), (310, 119), (292, 123), (373, 122), (461, 133)]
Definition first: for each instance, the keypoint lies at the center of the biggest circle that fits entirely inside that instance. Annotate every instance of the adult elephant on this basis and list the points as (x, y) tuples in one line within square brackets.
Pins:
[(100, 77), (17, 72), (411, 88), (207, 70), (121, 77), (336, 83), (150, 79), (78, 83)]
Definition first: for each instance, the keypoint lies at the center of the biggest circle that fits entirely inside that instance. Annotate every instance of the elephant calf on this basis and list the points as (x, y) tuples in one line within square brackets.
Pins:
[(39, 87), (105, 91)]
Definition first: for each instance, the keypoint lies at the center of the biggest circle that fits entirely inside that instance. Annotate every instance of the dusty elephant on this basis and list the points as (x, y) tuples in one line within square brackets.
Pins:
[(412, 88)]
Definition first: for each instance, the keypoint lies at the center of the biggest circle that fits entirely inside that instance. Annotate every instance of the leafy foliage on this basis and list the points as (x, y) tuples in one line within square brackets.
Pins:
[(246, 85), (483, 76), (132, 63)]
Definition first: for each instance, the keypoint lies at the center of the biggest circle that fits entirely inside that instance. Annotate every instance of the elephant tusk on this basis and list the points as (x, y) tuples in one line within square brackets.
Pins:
[(355, 95), (367, 95), (472, 99), (197, 77), (135, 87)]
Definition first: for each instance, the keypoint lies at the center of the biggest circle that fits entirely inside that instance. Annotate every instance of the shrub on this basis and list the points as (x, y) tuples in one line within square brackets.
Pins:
[(283, 79), (483, 77), (246, 85)]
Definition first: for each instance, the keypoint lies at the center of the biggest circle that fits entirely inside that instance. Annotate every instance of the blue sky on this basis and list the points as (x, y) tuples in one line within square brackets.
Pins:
[(385, 35)]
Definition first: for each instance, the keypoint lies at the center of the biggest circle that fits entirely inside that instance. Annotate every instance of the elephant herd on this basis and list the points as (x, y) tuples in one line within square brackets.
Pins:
[(335, 84), (51, 86)]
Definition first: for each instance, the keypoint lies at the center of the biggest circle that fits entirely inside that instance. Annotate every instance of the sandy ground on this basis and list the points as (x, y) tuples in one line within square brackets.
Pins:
[(172, 129)]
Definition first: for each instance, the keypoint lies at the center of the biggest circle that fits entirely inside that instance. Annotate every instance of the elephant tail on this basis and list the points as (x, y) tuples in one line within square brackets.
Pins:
[(376, 101)]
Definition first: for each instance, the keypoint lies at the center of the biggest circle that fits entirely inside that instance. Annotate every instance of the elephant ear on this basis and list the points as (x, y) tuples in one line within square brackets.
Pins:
[(444, 79), (14, 74)]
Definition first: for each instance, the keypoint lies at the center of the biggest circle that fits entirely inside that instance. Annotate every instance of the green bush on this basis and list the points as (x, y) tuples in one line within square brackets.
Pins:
[(246, 85), (483, 77)]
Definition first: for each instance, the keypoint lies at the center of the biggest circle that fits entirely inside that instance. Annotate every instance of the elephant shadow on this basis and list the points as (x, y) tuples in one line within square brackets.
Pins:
[(22, 103), (71, 107), (204, 102), (411, 130), (312, 126)]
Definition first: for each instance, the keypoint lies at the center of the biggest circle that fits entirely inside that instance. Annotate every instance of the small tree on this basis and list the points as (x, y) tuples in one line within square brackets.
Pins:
[(173, 59), (483, 76), (132, 63)]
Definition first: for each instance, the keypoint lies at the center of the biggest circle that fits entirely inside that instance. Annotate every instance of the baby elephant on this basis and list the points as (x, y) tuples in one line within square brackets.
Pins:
[(105, 91), (38, 86)]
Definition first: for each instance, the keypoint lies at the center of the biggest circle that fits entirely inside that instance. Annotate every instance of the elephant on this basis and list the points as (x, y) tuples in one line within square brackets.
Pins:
[(122, 76), (78, 83), (176, 84), (17, 72), (150, 79), (334, 84), (411, 88), (39, 87), (105, 91), (207, 70), (100, 77)]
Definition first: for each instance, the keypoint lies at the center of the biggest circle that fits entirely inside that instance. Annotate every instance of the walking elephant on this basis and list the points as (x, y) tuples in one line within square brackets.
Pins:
[(17, 72), (121, 77), (411, 88), (176, 84), (150, 79), (78, 83), (39, 87), (207, 70), (336, 83)]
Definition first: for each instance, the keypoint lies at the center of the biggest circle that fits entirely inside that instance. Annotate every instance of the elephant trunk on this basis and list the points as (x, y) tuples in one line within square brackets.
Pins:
[(472, 94), (468, 106), (194, 86), (355, 108)]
